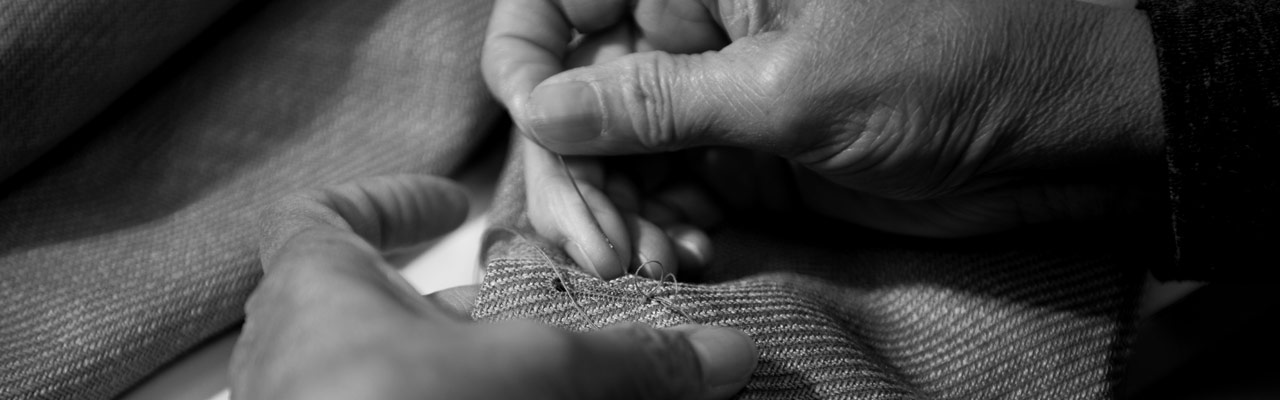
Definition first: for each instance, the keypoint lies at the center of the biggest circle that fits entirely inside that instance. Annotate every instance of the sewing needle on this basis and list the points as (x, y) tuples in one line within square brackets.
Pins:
[(577, 189)]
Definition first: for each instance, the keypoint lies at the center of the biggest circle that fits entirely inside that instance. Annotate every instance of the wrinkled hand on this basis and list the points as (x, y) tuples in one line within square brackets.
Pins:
[(925, 117), (652, 227), (332, 320)]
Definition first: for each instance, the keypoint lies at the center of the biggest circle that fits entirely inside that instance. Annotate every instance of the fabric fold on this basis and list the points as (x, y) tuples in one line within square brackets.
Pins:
[(135, 239), (64, 61)]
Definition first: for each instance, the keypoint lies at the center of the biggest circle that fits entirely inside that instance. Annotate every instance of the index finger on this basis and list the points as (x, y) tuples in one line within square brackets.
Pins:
[(526, 43), (527, 40)]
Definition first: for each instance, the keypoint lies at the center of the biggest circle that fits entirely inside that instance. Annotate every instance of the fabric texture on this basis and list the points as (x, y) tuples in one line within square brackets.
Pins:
[(130, 192), (64, 61), (134, 239), (842, 313), (1220, 74)]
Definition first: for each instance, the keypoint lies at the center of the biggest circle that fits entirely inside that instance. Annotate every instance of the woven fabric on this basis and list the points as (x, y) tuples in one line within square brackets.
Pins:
[(841, 313), (134, 239), (63, 61)]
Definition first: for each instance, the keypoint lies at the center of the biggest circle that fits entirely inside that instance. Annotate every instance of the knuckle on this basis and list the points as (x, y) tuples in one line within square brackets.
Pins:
[(649, 100)]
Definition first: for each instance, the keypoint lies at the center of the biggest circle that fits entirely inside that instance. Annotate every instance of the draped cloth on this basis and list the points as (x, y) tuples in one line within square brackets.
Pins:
[(140, 138)]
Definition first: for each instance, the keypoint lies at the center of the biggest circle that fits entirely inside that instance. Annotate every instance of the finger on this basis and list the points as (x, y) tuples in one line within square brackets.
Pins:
[(679, 26), (579, 218), (585, 170), (692, 203), (635, 361), (692, 246), (653, 257), (525, 43), (656, 102), (676, 26), (317, 243), (606, 46), (457, 300), (388, 212), (528, 39)]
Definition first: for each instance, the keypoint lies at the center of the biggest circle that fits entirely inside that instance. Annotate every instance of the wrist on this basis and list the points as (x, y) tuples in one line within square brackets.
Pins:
[(1088, 98)]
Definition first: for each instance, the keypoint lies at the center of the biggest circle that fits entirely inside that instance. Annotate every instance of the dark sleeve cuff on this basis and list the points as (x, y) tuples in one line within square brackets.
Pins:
[(1221, 94)]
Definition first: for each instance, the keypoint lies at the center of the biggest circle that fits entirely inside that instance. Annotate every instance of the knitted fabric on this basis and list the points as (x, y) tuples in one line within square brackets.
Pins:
[(842, 313), (134, 239)]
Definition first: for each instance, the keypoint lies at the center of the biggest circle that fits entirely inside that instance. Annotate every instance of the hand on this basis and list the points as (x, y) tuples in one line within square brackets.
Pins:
[(331, 319), (926, 117), (652, 228)]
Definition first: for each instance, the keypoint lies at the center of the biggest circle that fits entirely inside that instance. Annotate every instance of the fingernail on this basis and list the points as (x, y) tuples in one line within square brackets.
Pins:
[(693, 246), (727, 356), (568, 112)]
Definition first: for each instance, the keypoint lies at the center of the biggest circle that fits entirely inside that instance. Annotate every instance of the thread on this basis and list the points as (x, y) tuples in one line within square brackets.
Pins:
[(563, 284), (652, 295)]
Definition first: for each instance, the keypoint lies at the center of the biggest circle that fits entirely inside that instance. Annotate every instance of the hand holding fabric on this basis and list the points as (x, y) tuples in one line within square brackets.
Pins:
[(611, 223), (926, 117), (332, 320)]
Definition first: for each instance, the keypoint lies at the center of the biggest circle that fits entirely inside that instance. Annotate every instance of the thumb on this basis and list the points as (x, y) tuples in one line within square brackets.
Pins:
[(636, 361), (655, 102), (460, 300), (388, 212)]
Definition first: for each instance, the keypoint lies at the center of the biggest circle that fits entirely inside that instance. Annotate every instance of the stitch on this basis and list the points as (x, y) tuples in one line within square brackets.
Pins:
[(652, 295), (623, 299), (674, 308), (563, 279), (577, 189), (638, 295)]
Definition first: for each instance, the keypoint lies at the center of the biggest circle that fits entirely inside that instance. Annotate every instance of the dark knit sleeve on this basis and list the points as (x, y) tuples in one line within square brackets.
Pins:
[(1221, 91), (1218, 70)]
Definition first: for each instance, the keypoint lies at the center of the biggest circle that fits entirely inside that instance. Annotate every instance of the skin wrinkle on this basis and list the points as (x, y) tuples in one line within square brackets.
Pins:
[(648, 94), (1078, 121), (913, 123), (663, 88), (746, 17), (964, 148)]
